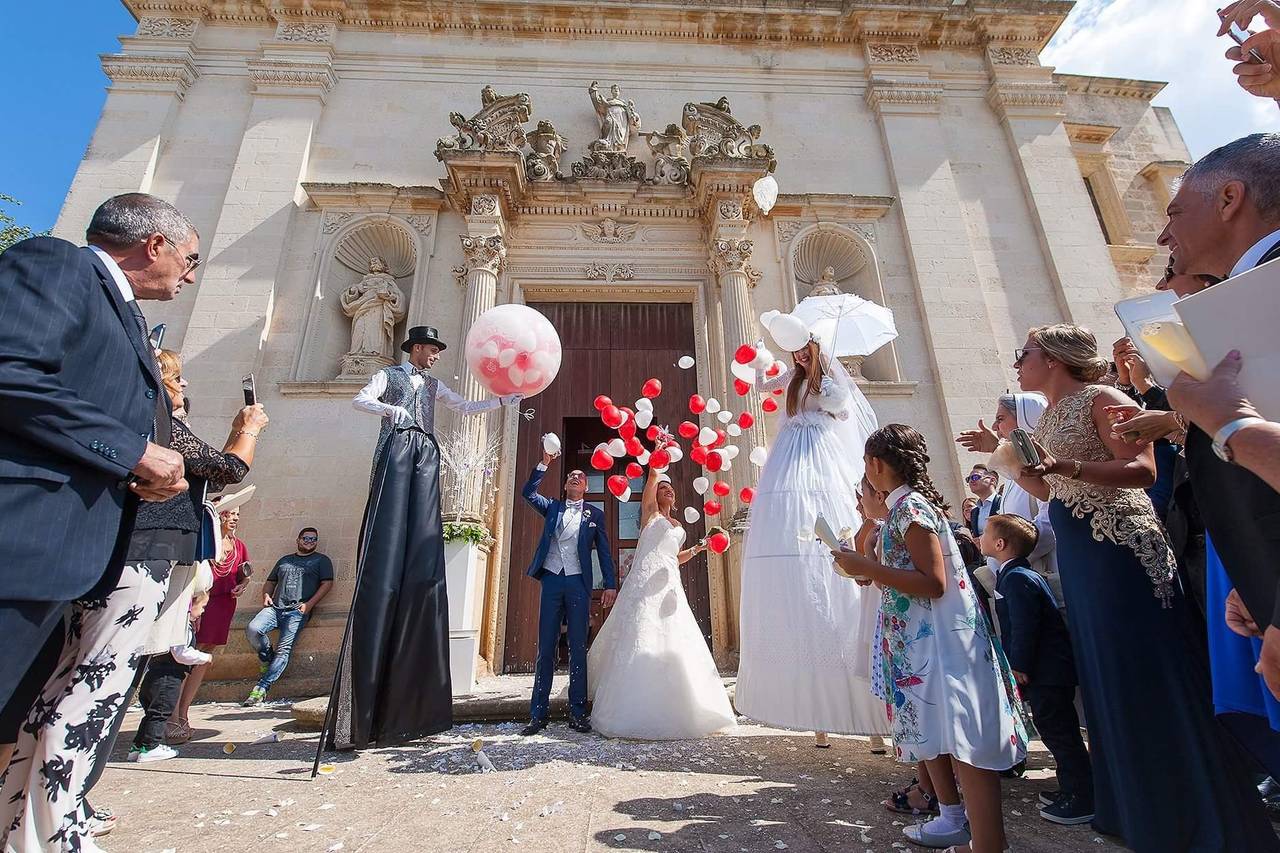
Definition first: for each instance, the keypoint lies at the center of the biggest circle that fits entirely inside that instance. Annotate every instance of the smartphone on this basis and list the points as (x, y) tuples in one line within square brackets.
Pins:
[(1025, 448), (1239, 36), (157, 336), (250, 391)]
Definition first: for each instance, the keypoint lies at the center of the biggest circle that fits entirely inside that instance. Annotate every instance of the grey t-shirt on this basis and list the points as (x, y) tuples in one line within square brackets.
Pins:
[(297, 578)]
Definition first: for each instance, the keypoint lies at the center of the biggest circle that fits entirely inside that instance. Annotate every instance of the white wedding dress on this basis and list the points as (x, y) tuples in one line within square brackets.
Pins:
[(806, 632), (649, 671)]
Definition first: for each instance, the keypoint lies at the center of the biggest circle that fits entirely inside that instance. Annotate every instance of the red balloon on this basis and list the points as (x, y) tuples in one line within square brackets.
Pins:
[(628, 428), (601, 402), (652, 388), (721, 488), (722, 438), (718, 542), (653, 432), (747, 495), (714, 460), (634, 448), (687, 429), (746, 420), (698, 454), (659, 459), (634, 470), (712, 507), (697, 404), (745, 354), (612, 416), (741, 388), (774, 369), (769, 406), (601, 460), (617, 484), (778, 392)]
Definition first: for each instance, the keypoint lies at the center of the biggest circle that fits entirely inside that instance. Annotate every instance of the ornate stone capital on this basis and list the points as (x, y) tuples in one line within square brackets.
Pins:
[(904, 95), (484, 253), (730, 255), (162, 72), (893, 54), (306, 32), (1013, 55), (1028, 100), (291, 77), (177, 29)]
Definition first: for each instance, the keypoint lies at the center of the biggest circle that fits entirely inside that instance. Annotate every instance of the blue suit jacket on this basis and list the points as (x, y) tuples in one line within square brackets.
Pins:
[(1033, 633), (591, 535), (78, 388)]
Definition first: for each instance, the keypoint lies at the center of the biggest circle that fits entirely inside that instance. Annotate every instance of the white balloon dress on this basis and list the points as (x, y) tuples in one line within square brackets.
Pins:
[(649, 671), (806, 632)]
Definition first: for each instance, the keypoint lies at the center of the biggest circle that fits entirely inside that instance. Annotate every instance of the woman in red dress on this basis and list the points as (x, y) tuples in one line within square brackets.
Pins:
[(230, 577)]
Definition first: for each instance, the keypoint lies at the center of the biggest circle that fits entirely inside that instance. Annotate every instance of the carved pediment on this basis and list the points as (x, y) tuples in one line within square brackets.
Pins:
[(714, 132), (499, 126)]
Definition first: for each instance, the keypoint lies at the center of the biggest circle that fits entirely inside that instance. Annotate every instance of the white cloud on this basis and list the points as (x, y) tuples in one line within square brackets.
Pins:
[(1169, 40)]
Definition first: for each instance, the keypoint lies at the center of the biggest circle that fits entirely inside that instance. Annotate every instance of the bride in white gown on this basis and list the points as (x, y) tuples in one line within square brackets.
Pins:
[(649, 671), (806, 633)]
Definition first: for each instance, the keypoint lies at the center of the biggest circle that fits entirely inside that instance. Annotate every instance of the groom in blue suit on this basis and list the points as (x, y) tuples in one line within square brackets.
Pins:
[(562, 564)]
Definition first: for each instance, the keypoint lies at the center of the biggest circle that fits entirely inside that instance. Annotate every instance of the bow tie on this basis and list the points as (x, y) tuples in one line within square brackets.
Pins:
[(421, 371), (573, 504)]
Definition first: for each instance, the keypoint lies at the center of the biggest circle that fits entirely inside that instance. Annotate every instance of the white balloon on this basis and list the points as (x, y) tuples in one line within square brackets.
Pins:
[(675, 453), (733, 430), (701, 484), (506, 358), (643, 458), (724, 417), (765, 192), (625, 496), (644, 417), (516, 374), (644, 404), (691, 515), (758, 456), (685, 362), (707, 436), (725, 464), (745, 372), (713, 405), (767, 317), (625, 416), (551, 443), (789, 332), (730, 451), (617, 448)]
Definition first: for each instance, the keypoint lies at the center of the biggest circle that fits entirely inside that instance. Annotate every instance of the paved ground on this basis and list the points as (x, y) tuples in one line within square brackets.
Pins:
[(759, 790)]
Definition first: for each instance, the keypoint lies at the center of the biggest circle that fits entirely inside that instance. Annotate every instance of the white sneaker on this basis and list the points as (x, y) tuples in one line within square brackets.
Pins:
[(161, 752), (188, 656)]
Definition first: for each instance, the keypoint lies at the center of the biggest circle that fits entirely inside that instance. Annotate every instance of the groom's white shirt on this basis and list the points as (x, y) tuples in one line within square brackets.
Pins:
[(562, 556)]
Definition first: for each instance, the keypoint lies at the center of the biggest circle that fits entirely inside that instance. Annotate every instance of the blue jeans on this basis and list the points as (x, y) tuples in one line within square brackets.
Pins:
[(289, 622)]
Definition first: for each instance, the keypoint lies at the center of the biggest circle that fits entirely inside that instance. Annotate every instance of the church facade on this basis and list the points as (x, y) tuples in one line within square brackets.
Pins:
[(359, 168)]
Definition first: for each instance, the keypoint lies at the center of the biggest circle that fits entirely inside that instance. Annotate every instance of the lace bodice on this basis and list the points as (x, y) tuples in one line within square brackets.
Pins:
[(831, 401), (1123, 516)]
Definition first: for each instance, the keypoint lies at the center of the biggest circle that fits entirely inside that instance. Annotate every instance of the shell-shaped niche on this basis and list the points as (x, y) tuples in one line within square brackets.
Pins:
[(383, 239), (823, 248)]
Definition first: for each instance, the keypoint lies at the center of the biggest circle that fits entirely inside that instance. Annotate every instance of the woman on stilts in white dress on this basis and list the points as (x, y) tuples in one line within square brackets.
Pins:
[(649, 671), (806, 633)]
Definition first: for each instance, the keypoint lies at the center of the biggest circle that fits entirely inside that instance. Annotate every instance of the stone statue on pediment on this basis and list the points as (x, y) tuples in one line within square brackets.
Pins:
[(375, 305), (542, 163), (617, 119)]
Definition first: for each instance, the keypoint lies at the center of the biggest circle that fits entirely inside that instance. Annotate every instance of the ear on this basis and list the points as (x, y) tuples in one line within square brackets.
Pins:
[(1231, 200), (154, 245)]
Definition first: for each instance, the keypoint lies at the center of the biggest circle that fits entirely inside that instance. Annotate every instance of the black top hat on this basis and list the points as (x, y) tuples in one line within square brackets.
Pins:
[(422, 335)]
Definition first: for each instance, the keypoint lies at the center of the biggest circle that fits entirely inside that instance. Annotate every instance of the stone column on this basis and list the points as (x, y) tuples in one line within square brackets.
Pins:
[(1031, 107), (149, 81), (730, 251), (949, 296), (486, 253), (236, 292)]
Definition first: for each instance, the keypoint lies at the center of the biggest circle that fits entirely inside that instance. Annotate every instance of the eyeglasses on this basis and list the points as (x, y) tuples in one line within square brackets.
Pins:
[(308, 538), (1020, 354), (973, 478), (193, 260)]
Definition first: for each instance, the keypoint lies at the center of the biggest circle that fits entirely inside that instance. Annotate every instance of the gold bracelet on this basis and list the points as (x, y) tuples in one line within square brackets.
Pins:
[(1075, 475), (246, 432)]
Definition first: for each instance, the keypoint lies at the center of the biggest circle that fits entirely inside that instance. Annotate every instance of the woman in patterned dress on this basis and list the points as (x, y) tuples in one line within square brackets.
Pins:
[(951, 698), (1165, 776)]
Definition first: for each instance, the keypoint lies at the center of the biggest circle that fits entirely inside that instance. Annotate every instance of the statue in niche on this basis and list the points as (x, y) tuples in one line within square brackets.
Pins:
[(617, 119), (826, 285), (375, 305)]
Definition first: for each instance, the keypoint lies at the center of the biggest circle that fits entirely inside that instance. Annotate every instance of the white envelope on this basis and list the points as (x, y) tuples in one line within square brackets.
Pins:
[(1242, 313), (823, 531), (1141, 312)]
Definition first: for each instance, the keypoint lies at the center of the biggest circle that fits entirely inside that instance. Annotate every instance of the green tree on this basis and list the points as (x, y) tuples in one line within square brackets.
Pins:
[(10, 231)]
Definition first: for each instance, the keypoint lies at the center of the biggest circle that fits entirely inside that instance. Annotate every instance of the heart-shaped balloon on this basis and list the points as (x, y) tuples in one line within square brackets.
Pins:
[(745, 372), (617, 448), (617, 484), (747, 495), (746, 420), (634, 447), (644, 403), (675, 453), (722, 438), (715, 461), (741, 388), (634, 469), (625, 497), (601, 402), (698, 454), (724, 417), (718, 542), (685, 362), (659, 459), (612, 416), (712, 507), (713, 405), (745, 354), (601, 460), (706, 436), (691, 515), (687, 429), (652, 388), (733, 430), (643, 458), (701, 484), (730, 452), (721, 488), (644, 418), (697, 404), (628, 428), (773, 369), (758, 456), (769, 406), (551, 443)]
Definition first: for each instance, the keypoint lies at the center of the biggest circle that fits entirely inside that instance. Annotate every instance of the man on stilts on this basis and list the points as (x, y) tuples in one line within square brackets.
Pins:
[(393, 684)]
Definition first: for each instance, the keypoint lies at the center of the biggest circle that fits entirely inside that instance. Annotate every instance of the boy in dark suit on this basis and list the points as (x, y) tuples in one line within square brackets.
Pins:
[(562, 565), (1036, 642)]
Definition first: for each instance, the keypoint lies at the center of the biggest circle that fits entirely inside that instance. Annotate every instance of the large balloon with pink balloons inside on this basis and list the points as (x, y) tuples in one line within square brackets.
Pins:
[(512, 349)]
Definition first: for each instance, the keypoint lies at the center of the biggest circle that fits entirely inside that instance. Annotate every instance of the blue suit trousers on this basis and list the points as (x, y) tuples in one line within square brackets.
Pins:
[(563, 599)]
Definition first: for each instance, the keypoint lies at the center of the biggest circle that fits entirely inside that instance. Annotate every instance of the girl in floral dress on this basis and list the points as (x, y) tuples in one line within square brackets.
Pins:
[(943, 677)]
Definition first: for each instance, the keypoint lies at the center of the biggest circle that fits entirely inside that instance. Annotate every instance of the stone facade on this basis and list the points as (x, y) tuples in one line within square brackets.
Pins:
[(949, 175)]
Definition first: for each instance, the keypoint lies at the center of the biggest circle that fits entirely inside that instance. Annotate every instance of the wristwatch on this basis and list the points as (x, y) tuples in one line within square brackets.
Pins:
[(1222, 436)]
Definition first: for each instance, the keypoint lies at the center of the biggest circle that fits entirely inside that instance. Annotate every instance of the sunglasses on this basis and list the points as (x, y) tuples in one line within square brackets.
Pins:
[(973, 478), (1020, 354), (309, 538)]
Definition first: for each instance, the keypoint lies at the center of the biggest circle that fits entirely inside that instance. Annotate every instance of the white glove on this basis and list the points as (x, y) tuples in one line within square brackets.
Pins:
[(832, 398), (511, 399), (400, 416)]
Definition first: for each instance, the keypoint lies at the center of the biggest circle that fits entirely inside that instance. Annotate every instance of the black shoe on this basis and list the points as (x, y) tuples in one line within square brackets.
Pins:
[(1016, 771), (1069, 810), (533, 728), (580, 724), (1048, 798)]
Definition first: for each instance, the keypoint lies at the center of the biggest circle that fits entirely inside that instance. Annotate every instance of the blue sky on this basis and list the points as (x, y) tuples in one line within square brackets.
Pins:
[(55, 87)]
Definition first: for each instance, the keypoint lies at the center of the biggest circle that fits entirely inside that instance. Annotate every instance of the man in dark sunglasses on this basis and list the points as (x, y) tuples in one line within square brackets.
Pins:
[(982, 481)]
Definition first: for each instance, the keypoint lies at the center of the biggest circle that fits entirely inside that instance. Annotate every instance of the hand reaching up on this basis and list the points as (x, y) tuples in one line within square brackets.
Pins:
[(980, 440)]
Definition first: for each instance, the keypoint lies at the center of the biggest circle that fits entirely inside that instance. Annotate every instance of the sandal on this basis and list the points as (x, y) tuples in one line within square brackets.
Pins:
[(899, 801)]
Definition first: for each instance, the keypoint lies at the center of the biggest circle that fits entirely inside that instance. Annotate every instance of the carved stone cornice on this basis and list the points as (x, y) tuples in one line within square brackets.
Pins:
[(484, 253), (291, 77), (389, 198), (474, 173), (904, 94), (599, 271), (1027, 100), (887, 53), (729, 255), (306, 32), (1013, 55), (165, 72), (1090, 134), (167, 28), (1110, 87)]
